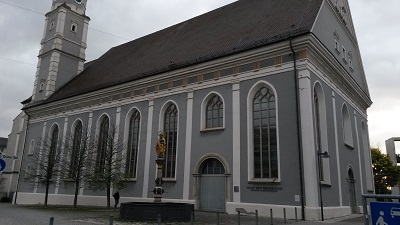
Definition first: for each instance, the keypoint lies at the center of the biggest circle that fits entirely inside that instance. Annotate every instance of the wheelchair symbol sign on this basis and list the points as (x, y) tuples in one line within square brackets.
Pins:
[(385, 213), (2, 165)]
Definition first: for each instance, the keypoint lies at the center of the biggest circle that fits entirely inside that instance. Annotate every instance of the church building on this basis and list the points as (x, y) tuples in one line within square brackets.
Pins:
[(263, 104)]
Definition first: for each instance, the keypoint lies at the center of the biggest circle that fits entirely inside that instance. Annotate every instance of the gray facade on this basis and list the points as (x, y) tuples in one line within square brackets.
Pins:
[(341, 128)]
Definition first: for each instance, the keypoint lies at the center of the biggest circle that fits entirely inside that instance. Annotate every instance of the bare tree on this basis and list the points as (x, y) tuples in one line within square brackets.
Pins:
[(45, 162), (78, 151), (107, 163)]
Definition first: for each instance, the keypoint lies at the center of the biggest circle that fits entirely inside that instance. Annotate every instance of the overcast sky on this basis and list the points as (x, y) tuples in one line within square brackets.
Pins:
[(116, 22)]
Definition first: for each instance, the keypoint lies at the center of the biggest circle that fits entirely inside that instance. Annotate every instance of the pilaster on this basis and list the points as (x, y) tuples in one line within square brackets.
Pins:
[(308, 141), (236, 141), (148, 149), (188, 145)]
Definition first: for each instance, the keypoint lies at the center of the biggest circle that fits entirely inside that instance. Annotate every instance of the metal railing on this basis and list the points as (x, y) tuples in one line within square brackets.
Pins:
[(240, 212)]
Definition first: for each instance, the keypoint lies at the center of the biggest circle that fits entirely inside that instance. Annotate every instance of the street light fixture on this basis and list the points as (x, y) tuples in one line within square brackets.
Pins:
[(320, 156)]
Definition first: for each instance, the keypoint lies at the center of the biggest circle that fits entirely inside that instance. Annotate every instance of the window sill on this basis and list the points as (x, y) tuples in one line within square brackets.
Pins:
[(169, 180), (266, 180), (349, 146), (212, 129), (326, 184)]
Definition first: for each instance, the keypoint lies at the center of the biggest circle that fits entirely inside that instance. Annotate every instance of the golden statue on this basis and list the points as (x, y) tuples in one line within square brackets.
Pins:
[(161, 145)]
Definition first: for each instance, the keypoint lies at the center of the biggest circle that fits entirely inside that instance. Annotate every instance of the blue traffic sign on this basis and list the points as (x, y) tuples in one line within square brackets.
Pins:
[(385, 213), (2, 165)]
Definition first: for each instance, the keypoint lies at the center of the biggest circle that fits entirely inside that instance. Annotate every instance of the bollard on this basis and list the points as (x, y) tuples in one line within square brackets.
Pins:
[(191, 218), (217, 218), (284, 215), (272, 217), (238, 217), (51, 220), (295, 213), (111, 220), (256, 217), (159, 219)]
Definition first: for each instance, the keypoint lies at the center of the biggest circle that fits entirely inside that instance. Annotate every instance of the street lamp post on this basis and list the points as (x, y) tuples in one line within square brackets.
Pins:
[(320, 156)]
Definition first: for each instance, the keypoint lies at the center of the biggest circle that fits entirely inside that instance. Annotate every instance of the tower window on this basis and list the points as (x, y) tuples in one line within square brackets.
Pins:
[(52, 25), (351, 65), (41, 85), (344, 54), (74, 27), (337, 47)]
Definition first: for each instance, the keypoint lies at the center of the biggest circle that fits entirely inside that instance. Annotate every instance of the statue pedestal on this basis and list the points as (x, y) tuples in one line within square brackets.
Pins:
[(158, 189)]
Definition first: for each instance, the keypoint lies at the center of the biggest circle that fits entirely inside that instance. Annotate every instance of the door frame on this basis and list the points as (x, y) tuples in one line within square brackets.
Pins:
[(352, 190), (197, 178)]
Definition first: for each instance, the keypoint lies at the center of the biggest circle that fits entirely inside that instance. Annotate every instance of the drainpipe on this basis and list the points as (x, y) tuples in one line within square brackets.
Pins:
[(299, 135), (22, 158)]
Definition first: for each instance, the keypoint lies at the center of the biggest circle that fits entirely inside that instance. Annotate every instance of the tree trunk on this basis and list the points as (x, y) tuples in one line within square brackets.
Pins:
[(76, 192), (108, 196), (46, 197)]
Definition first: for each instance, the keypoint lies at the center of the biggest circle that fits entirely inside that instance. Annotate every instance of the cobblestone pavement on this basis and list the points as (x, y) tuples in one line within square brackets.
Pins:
[(38, 215)]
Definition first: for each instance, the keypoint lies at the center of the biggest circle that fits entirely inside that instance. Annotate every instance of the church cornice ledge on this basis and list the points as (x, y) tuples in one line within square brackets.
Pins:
[(324, 64), (64, 5), (264, 42), (244, 66), (61, 52), (261, 62)]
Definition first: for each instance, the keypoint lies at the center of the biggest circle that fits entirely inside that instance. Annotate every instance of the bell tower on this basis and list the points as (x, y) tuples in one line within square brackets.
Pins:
[(62, 52)]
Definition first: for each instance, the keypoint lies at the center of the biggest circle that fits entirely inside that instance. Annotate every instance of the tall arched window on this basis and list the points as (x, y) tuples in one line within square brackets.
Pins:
[(171, 130), (103, 144), (214, 112), (31, 147), (367, 156), (53, 145), (347, 130), (321, 136), (265, 134), (133, 144), (76, 150)]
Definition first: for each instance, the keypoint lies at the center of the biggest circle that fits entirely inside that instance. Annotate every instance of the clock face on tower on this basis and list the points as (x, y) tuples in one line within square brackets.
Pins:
[(78, 1)]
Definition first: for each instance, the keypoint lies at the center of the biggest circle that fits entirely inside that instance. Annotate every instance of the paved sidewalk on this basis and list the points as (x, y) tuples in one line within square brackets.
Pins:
[(37, 215)]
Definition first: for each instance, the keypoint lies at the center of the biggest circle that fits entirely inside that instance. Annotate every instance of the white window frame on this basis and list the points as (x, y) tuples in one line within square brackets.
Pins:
[(161, 128), (318, 89), (347, 128), (203, 120), (31, 147), (126, 140), (344, 52), (51, 27), (74, 27), (71, 142), (250, 145), (97, 138)]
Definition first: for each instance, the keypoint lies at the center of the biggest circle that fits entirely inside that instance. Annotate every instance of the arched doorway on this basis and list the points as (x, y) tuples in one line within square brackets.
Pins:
[(212, 185), (352, 190)]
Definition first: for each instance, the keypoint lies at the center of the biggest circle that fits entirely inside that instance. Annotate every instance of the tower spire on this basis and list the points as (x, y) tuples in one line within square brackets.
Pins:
[(62, 53)]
